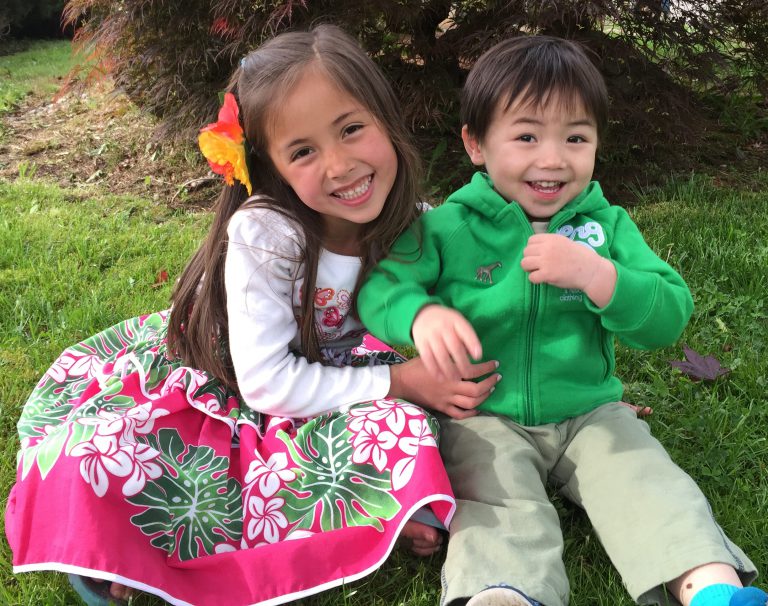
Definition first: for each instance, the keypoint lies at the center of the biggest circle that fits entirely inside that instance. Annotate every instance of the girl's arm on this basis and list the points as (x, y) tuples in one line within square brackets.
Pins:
[(263, 332)]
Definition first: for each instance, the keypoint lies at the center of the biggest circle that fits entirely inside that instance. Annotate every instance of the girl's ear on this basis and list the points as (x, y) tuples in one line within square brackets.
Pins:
[(472, 145)]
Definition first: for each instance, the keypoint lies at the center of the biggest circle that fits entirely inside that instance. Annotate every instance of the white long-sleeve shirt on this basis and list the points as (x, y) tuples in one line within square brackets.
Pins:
[(264, 282)]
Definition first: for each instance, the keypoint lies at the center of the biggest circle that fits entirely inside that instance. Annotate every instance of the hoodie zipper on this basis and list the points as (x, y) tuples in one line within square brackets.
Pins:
[(536, 289), (528, 418), (528, 403)]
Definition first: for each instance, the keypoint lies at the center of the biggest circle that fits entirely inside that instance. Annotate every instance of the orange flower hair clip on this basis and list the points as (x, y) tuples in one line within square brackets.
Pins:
[(223, 144)]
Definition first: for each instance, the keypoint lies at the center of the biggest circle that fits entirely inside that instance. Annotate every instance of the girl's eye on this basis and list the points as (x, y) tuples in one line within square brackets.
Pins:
[(576, 139), (300, 153), (352, 128)]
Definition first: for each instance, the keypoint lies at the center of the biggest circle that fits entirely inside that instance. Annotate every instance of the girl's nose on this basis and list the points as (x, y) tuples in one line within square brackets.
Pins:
[(337, 163)]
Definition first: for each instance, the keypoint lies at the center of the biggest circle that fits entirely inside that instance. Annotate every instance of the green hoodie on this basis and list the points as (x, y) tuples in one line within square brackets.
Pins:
[(554, 346)]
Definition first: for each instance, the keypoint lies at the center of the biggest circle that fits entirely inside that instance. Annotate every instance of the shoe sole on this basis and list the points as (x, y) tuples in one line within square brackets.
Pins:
[(499, 596)]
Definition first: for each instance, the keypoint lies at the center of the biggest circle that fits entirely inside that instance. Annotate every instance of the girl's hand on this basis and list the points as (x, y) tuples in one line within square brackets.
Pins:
[(556, 260), (458, 399), (445, 340)]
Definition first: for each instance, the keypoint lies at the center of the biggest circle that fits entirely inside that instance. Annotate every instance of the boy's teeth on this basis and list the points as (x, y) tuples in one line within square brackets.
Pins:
[(351, 194), (546, 186)]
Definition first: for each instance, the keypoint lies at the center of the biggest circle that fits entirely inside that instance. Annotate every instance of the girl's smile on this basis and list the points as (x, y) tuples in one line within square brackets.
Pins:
[(357, 194)]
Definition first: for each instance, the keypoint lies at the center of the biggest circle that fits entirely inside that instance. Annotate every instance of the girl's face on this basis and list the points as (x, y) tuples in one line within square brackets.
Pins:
[(540, 157), (334, 154)]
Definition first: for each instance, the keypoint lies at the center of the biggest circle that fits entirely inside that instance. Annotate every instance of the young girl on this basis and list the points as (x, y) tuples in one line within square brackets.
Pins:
[(247, 447)]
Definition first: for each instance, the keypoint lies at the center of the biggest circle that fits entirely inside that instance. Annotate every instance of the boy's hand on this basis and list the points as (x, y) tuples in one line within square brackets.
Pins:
[(458, 399), (445, 340), (557, 260)]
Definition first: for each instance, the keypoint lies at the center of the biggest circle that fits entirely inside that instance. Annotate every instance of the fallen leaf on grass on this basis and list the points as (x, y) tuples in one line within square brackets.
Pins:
[(699, 367), (162, 278)]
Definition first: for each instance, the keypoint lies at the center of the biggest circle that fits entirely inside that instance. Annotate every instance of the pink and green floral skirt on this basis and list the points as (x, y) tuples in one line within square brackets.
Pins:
[(137, 469)]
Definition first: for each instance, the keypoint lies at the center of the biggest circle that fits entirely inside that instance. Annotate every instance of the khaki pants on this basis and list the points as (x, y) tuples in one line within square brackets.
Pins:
[(650, 516)]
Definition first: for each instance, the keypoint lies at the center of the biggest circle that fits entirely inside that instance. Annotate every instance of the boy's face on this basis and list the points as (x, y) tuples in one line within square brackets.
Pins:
[(540, 157)]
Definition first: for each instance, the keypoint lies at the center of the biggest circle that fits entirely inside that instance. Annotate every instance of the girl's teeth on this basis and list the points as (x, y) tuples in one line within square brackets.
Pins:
[(351, 194)]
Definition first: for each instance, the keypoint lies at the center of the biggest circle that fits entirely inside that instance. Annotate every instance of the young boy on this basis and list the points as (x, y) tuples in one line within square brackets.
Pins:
[(532, 259)]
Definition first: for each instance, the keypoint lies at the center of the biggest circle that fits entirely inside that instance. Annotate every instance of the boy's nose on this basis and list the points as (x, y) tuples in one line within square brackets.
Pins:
[(550, 156)]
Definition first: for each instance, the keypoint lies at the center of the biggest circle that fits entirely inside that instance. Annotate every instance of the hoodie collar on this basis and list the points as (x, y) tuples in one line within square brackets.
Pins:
[(480, 196)]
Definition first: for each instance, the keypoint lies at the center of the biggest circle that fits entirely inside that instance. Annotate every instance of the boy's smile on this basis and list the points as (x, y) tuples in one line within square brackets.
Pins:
[(540, 157)]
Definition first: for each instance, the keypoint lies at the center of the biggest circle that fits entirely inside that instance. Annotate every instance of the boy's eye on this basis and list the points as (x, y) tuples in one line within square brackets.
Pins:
[(527, 138), (300, 153)]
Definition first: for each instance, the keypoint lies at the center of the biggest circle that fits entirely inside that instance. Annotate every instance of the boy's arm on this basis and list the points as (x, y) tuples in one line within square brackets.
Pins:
[(651, 303), (398, 287), (445, 340), (397, 294), (556, 260), (636, 294)]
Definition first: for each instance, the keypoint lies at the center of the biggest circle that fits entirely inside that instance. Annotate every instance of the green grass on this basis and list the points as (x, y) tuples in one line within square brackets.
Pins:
[(71, 265), (37, 70)]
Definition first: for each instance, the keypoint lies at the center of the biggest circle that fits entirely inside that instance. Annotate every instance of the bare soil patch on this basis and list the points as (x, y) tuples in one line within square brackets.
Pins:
[(95, 139)]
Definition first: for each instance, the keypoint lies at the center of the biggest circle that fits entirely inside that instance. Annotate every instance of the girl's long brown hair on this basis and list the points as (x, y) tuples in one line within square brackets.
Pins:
[(198, 326)]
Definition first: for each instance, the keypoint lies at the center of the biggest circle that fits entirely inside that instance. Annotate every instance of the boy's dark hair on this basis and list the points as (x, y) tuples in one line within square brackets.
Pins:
[(532, 70)]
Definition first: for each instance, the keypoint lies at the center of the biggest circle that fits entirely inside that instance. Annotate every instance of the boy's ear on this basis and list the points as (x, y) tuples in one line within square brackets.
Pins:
[(472, 145)]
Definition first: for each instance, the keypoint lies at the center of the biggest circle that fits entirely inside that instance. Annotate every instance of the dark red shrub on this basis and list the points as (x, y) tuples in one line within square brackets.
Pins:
[(663, 69)]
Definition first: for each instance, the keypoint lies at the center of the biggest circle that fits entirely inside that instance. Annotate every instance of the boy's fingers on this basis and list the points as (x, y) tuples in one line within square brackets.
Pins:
[(462, 367), (430, 364), (528, 263), (536, 277), (444, 362), (468, 338)]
